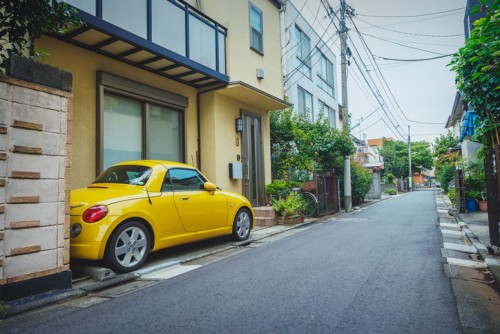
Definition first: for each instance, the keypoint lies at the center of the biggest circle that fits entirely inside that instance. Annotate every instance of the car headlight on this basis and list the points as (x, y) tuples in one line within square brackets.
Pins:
[(95, 213)]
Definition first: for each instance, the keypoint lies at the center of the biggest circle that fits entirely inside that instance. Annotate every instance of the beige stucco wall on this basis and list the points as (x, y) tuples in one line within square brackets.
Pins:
[(242, 61), (83, 65), (221, 144)]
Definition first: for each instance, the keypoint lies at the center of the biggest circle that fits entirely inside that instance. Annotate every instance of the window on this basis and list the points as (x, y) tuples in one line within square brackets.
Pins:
[(329, 112), (256, 28), (325, 74), (186, 179), (303, 52), (305, 102), (136, 175), (138, 122)]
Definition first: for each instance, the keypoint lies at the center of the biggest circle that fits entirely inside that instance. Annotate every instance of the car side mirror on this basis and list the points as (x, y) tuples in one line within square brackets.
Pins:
[(209, 186)]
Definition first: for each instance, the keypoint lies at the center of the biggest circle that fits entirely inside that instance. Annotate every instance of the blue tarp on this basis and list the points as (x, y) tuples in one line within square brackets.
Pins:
[(467, 129)]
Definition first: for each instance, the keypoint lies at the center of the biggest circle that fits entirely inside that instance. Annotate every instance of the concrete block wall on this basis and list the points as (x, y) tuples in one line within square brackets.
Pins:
[(34, 165)]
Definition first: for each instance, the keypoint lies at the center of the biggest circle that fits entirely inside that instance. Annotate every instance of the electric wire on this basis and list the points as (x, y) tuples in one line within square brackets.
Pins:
[(417, 15), (409, 33)]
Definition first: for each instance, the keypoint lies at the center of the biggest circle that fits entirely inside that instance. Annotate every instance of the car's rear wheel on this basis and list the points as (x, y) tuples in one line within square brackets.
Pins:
[(128, 247), (242, 225)]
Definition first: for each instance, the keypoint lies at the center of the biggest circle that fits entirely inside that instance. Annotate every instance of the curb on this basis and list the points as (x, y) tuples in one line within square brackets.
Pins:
[(492, 263)]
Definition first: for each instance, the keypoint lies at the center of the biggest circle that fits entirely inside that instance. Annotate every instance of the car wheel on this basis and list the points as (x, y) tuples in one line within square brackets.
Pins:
[(242, 225), (128, 247)]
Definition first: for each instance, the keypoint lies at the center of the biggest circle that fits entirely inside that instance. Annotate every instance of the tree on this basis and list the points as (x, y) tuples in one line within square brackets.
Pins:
[(395, 155), (477, 73), (445, 159), (25, 20), (299, 146)]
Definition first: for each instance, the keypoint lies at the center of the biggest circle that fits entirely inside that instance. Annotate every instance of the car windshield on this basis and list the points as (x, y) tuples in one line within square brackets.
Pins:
[(137, 175)]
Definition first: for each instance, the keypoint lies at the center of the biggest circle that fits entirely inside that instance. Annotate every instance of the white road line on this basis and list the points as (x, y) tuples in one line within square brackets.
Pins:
[(170, 272)]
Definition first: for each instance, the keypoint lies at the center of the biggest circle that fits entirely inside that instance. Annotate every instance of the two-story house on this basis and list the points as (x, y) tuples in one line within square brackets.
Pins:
[(189, 81)]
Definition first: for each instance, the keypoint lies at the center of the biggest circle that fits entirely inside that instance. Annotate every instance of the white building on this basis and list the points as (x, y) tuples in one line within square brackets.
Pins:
[(309, 68)]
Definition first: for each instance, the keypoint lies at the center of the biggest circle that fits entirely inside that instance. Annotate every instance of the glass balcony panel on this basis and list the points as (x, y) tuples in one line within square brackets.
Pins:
[(202, 42), (168, 24), (130, 15), (222, 52), (85, 5)]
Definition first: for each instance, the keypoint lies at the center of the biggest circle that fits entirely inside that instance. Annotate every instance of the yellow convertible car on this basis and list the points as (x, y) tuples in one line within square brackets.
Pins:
[(137, 207)]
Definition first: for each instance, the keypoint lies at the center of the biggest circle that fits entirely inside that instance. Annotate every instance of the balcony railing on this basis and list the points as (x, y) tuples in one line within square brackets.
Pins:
[(168, 30)]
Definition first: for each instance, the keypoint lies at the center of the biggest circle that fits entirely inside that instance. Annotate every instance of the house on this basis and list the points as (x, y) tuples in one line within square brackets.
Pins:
[(309, 68), (461, 124), (189, 81)]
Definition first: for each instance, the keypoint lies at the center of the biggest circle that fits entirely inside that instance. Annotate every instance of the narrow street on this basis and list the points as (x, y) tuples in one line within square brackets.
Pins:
[(377, 270)]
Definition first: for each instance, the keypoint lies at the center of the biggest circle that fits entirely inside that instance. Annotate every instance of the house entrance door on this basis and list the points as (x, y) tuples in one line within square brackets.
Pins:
[(253, 165)]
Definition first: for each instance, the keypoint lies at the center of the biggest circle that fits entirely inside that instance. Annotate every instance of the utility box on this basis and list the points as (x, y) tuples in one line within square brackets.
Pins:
[(235, 171)]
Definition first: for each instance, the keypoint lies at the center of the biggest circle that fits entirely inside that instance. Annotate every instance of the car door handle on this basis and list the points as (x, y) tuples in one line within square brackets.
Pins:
[(184, 198)]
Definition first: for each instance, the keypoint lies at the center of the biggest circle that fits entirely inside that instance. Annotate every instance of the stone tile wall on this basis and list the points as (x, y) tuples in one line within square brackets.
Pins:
[(35, 149)]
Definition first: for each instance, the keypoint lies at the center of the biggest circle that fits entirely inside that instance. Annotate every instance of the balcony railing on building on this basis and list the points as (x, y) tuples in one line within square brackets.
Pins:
[(168, 37)]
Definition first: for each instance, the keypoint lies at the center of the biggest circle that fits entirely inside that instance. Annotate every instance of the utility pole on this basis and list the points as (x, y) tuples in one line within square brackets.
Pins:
[(410, 176), (345, 112)]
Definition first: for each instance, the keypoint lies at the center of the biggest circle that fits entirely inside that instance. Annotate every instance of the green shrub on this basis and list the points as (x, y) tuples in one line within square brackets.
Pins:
[(452, 195), (287, 206), (390, 191)]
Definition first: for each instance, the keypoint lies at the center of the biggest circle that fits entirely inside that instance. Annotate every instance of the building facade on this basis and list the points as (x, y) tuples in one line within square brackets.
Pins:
[(188, 81), (309, 69), (144, 92)]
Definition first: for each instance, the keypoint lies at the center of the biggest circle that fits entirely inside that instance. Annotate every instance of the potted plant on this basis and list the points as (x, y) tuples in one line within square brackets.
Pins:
[(287, 208)]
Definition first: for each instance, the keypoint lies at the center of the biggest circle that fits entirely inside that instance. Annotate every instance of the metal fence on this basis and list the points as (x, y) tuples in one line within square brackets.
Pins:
[(324, 187)]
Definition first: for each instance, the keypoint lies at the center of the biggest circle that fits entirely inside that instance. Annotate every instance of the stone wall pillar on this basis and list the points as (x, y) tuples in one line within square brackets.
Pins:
[(35, 149)]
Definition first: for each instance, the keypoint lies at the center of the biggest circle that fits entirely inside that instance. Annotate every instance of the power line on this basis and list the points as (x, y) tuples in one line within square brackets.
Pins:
[(408, 33), (403, 45), (419, 59), (418, 15)]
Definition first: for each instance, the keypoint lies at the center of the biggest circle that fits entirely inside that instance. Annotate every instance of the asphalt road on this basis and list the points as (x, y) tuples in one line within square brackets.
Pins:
[(375, 271)]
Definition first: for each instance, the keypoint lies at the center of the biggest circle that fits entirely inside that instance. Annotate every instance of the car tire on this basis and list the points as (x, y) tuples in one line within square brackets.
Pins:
[(242, 225), (128, 248)]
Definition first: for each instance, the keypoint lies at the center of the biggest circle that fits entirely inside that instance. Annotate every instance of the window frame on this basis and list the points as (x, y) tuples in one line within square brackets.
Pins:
[(327, 108), (324, 79), (145, 95), (304, 113), (300, 35), (252, 6)]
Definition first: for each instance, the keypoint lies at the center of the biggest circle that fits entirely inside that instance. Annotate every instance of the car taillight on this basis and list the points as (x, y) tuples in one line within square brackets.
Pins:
[(95, 213)]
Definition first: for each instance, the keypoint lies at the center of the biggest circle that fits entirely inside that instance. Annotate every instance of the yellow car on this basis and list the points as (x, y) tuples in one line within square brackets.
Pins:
[(137, 207)]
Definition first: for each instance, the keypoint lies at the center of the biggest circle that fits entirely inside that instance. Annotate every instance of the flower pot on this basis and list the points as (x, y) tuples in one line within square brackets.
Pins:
[(470, 204), (288, 220), (483, 205)]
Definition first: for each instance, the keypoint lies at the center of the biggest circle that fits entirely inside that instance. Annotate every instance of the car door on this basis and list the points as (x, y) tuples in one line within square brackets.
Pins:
[(199, 209)]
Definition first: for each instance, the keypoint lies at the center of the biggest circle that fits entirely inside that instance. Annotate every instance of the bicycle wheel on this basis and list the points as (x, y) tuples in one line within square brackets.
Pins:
[(309, 204)]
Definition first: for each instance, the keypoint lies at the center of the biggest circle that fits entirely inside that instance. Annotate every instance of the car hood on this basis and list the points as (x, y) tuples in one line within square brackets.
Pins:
[(83, 198)]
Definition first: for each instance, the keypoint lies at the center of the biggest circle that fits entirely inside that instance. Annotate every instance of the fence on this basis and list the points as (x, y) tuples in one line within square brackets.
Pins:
[(492, 173), (324, 187)]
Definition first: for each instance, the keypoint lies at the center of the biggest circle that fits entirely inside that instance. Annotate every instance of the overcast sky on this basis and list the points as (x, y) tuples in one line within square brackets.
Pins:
[(423, 90)]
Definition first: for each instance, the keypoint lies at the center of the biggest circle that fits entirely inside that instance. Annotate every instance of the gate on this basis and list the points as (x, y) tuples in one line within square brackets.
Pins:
[(492, 173), (324, 187)]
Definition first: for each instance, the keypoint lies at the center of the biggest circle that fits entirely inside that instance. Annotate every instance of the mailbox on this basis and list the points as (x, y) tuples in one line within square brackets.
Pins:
[(235, 170)]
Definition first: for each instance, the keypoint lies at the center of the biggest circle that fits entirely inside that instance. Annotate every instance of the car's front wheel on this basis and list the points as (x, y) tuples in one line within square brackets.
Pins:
[(128, 247), (242, 225)]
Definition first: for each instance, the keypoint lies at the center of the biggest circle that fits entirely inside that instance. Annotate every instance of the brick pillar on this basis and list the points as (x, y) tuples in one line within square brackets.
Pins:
[(35, 148)]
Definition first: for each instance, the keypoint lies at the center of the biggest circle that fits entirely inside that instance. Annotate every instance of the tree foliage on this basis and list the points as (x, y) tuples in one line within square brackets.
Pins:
[(395, 153), (25, 20), (443, 156), (299, 146), (477, 72)]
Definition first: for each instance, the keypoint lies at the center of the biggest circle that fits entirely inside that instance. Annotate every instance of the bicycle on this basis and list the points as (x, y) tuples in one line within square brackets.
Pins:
[(309, 202)]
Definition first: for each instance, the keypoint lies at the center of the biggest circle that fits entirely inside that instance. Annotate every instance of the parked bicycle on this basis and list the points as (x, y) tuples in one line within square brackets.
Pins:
[(309, 205)]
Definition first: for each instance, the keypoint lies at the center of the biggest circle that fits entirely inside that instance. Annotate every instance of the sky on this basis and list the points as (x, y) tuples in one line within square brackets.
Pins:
[(410, 92)]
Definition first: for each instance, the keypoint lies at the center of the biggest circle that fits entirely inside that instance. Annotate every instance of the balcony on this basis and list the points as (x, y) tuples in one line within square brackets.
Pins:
[(166, 37)]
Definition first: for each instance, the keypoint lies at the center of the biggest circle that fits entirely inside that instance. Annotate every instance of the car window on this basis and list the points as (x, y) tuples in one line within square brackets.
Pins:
[(167, 183), (186, 179), (137, 175)]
